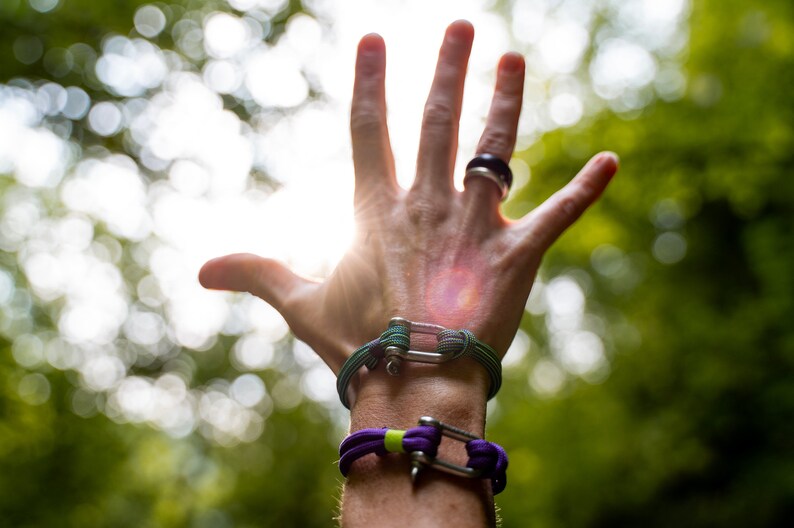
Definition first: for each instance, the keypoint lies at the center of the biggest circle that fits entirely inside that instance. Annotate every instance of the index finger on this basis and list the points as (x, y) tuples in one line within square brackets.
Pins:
[(372, 156)]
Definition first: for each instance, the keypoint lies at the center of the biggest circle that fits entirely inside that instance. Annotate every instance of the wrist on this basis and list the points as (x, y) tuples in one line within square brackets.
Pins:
[(454, 392)]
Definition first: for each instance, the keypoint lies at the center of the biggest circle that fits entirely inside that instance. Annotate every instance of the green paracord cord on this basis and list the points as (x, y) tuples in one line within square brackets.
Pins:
[(452, 344)]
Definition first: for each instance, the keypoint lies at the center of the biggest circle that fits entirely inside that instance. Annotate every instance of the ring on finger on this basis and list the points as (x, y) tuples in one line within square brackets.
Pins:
[(492, 168)]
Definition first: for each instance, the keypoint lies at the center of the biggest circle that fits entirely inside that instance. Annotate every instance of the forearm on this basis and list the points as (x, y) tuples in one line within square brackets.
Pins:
[(379, 491)]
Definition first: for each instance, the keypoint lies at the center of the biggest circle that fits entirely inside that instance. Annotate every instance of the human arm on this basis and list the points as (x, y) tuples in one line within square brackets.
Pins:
[(430, 254)]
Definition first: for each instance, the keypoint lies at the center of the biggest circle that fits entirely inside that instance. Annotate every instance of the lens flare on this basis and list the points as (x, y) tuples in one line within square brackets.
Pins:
[(453, 296)]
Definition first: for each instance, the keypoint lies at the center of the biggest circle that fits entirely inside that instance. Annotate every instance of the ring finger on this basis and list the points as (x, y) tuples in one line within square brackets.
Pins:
[(499, 136), (439, 137)]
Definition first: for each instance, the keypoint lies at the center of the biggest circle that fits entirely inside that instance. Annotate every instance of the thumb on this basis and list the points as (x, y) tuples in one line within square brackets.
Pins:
[(268, 279)]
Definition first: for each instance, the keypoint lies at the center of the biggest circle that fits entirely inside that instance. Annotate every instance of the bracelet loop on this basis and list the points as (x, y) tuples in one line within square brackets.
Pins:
[(395, 346)]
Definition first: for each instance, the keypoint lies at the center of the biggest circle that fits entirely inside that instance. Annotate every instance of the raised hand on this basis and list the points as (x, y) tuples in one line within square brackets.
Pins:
[(430, 253)]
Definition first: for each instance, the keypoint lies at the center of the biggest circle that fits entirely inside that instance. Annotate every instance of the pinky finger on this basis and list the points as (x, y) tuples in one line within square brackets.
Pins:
[(548, 221)]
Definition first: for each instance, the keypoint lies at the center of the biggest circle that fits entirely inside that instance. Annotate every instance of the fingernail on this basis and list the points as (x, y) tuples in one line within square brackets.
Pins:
[(372, 42), (512, 62), (459, 31), (608, 156)]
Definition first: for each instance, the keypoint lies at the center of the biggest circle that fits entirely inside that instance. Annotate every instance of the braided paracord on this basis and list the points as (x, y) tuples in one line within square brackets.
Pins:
[(486, 459), (452, 343)]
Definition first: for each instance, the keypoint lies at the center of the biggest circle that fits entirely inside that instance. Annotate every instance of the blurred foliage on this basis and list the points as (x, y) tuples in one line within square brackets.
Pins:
[(60, 469), (691, 427)]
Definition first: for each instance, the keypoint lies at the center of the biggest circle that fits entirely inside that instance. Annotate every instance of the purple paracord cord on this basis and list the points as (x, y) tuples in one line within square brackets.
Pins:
[(491, 459), (423, 438), (485, 456)]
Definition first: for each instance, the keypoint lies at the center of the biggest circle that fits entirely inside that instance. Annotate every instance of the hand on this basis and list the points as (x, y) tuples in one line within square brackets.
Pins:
[(431, 253)]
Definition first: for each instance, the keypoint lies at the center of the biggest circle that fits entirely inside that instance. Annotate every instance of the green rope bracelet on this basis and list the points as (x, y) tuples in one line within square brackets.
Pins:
[(393, 345)]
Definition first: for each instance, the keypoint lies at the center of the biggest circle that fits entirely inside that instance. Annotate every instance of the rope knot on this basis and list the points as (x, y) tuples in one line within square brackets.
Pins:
[(424, 438), (394, 336), (459, 342), (469, 343), (491, 459)]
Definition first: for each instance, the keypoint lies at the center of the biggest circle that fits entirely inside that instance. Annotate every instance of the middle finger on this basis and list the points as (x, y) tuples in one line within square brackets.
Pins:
[(438, 142)]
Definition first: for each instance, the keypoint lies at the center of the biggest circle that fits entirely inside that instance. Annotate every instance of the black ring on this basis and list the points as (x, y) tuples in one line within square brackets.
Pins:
[(495, 164)]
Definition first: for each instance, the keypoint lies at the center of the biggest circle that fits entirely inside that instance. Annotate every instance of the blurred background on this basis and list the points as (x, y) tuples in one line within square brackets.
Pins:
[(650, 383)]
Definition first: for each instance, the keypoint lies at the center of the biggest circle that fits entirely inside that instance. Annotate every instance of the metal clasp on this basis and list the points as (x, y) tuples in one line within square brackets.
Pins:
[(419, 460), (395, 355)]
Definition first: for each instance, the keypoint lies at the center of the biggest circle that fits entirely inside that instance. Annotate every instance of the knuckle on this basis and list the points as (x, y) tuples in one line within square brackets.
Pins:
[(423, 211), (440, 115), (510, 97), (568, 207), (498, 143), (365, 119), (586, 188)]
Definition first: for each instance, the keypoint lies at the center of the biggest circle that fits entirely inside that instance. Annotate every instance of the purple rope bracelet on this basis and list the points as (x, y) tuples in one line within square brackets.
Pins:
[(486, 459)]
